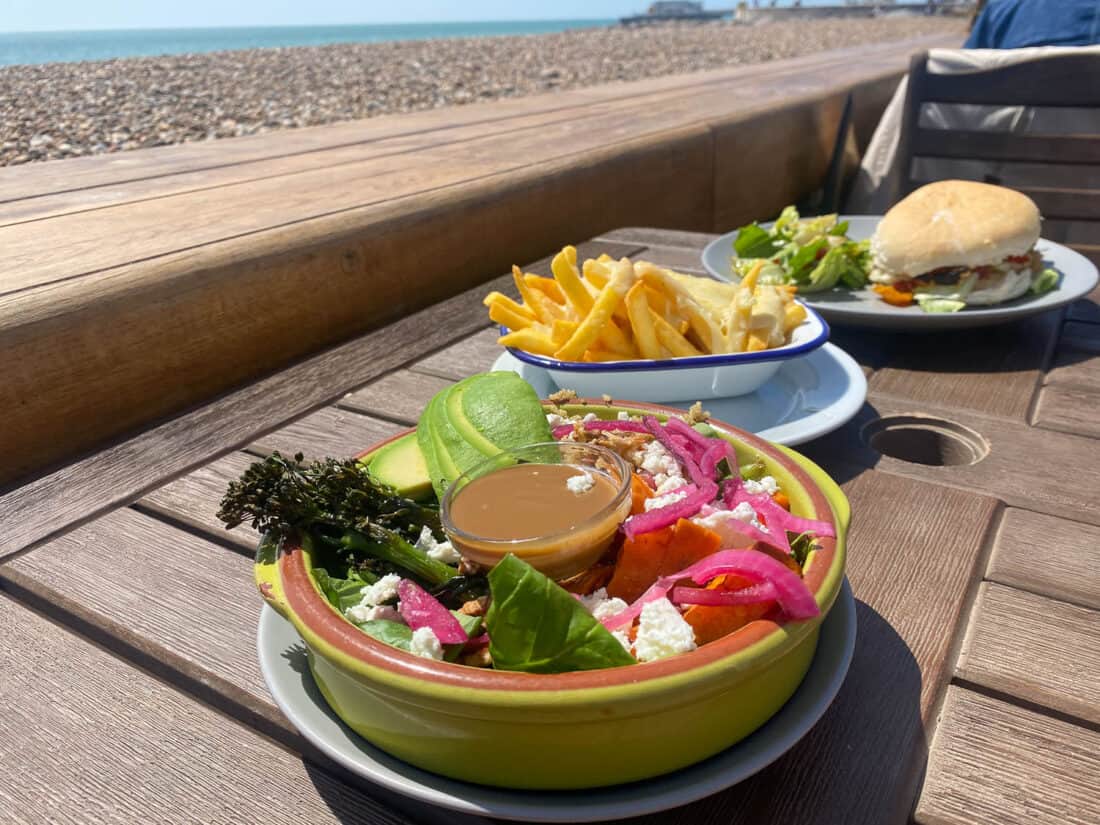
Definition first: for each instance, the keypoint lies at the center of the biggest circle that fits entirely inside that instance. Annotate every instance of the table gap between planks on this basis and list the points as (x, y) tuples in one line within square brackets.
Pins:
[(971, 698)]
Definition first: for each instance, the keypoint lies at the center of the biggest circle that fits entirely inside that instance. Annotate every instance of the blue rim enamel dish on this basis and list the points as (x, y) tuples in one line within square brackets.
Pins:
[(812, 333)]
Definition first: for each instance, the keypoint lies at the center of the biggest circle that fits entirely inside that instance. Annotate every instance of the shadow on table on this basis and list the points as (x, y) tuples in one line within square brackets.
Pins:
[(1018, 346), (860, 764)]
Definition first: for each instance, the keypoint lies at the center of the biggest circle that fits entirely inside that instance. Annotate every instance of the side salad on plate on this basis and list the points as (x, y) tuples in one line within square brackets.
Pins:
[(707, 545), (812, 254)]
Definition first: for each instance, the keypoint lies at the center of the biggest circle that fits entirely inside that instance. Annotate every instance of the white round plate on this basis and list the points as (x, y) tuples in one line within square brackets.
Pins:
[(863, 308), (806, 398), (283, 662)]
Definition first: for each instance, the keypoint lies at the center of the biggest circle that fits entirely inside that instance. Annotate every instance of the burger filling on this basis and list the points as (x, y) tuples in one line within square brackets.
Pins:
[(950, 288)]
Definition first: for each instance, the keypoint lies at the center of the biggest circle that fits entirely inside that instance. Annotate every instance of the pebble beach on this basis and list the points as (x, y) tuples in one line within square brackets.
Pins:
[(62, 110)]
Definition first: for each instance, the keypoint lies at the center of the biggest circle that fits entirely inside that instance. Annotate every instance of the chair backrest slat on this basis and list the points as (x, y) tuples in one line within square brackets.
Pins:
[(1062, 80), (1003, 146)]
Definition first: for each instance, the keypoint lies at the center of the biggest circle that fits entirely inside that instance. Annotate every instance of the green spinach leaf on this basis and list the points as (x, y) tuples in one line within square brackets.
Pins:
[(392, 633), (537, 627)]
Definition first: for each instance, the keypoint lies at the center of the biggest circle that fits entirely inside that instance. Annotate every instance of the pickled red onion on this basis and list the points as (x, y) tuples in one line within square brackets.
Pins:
[(419, 608), (682, 454), (754, 594), (662, 517)]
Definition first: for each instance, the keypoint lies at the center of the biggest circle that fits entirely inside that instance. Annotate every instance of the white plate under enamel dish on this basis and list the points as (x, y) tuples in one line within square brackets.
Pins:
[(806, 398), (681, 379), (864, 308), (283, 663)]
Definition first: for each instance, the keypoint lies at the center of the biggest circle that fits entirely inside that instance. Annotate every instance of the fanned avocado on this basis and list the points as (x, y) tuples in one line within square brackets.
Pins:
[(402, 466), (478, 417), (497, 410)]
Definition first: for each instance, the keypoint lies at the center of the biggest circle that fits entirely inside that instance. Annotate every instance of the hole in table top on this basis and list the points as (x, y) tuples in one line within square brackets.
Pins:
[(921, 439)]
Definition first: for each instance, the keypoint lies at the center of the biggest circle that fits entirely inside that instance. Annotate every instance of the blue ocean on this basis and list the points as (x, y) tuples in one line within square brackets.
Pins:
[(51, 47)]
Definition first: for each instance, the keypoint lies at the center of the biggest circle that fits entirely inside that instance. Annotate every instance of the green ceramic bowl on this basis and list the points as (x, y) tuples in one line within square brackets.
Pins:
[(569, 730)]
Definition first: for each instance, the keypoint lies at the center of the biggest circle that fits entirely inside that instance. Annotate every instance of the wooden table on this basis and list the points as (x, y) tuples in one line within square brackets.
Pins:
[(130, 689)]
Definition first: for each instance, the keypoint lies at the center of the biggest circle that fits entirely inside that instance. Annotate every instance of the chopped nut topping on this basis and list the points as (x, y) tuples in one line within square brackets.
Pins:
[(478, 658), (475, 607), (696, 414), (563, 397)]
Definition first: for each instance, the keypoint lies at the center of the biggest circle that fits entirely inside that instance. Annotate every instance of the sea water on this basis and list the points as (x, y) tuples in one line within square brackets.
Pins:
[(66, 46)]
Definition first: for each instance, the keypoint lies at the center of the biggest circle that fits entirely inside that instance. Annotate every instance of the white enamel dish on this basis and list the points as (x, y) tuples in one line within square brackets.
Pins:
[(681, 379), (283, 663), (806, 398), (864, 308)]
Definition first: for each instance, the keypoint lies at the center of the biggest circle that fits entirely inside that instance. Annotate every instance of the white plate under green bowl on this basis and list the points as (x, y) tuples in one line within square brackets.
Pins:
[(806, 398), (864, 308), (283, 663)]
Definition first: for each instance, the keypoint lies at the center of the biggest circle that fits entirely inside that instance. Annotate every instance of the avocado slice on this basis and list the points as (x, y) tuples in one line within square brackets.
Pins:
[(402, 466), (448, 455), (476, 418), (495, 411)]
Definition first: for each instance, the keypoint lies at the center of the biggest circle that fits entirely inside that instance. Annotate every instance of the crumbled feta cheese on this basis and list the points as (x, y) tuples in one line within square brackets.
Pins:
[(600, 605), (657, 502), (623, 639), (608, 608), (744, 512), (360, 614), (724, 523), (765, 485), (425, 643), (669, 484), (662, 632), (555, 420), (383, 590), (658, 462), (590, 417), (623, 415), (442, 551), (580, 484), (445, 552)]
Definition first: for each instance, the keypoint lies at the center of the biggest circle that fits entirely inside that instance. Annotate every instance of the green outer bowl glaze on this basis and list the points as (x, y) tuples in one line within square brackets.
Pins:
[(545, 733)]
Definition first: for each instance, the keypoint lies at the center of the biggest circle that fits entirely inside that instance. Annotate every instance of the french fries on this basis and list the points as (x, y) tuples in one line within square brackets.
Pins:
[(606, 310)]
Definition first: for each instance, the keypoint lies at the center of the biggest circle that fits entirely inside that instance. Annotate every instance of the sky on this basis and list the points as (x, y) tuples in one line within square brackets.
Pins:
[(62, 15)]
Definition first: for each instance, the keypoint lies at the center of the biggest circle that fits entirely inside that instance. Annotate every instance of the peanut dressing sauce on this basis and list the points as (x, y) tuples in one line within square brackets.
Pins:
[(563, 528)]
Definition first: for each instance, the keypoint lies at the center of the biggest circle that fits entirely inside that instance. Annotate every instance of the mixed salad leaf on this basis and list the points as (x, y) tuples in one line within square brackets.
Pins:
[(814, 254)]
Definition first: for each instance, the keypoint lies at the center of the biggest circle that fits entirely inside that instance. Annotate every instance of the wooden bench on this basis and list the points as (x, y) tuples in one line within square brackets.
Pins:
[(138, 284)]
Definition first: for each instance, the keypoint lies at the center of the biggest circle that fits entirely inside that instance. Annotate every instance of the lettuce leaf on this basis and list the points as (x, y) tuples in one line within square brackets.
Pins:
[(1047, 280), (827, 273), (342, 593), (787, 222), (753, 241), (537, 627), (941, 305)]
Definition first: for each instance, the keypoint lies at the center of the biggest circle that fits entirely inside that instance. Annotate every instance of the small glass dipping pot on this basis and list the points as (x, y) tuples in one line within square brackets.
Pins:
[(522, 501)]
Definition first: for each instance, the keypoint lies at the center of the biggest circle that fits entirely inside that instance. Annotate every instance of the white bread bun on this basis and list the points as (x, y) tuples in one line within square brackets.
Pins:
[(954, 223)]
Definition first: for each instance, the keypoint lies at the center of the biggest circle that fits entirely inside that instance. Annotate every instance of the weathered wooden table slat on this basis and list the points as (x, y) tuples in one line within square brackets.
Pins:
[(1070, 574), (90, 738), (971, 697), (993, 761), (1041, 650)]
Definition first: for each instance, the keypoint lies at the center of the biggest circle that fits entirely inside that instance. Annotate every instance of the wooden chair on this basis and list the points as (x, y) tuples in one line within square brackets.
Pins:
[(1053, 169)]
